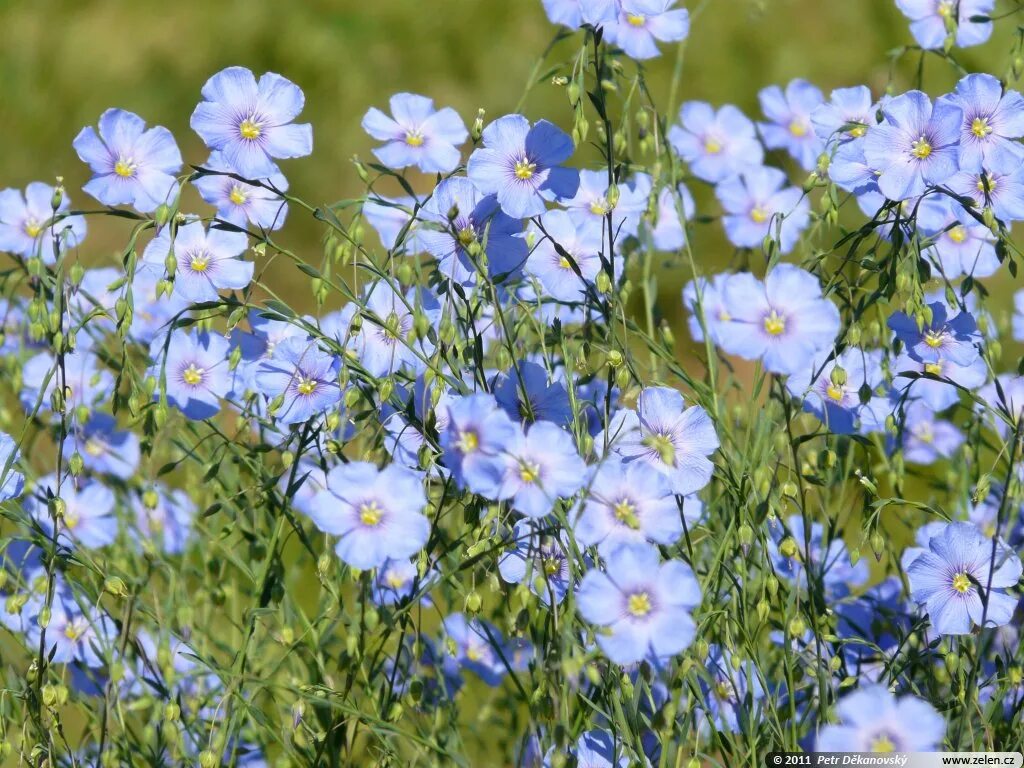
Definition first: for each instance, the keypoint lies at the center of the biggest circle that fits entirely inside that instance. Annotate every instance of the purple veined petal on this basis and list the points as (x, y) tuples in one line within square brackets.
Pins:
[(280, 99)]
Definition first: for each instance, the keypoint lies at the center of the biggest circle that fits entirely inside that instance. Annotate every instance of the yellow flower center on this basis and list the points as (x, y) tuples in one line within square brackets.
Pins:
[(474, 653), (986, 184), (414, 138), (467, 442), (980, 127), (663, 446), (600, 207), (946, 8), (724, 689), (370, 513), (199, 262), (33, 228), (933, 339), (94, 447), (306, 386), (798, 128), (467, 235), (249, 130), (882, 743), (935, 369), (712, 145), (525, 169), (71, 519), (639, 604), (759, 215), (925, 434), (551, 565), (834, 392), (564, 263), (625, 513), (394, 580), (124, 168), (529, 472), (857, 131), (775, 324), (921, 148), (788, 548), (958, 233), (238, 195), (193, 375), (961, 583), (74, 630), (636, 19)]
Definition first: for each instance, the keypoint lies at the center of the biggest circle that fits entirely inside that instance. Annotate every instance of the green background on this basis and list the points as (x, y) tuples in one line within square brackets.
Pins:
[(63, 62)]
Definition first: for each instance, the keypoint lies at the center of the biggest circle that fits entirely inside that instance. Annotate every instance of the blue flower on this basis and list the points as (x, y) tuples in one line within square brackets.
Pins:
[(927, 439), (590, 204), (716, 145), (377, 514), (596, 749), (846, 116), (240, 203), (130, 165), (477, 222), (992, 121), (480, 647), (675, 208), (939, 395), (943, 338), (103, 448), (152, 312), (789, 116), (522, 165), (583, 243), (643, 606), (547, 401), (878, 618), (417, 134), (929, 19), (732, 690), (396, 580), (196, 372), (539, 559), (835, 400), (961, 578), (163, 518), (538, 467), (12, 482), (872, 719), (76, 635), (87, 385), (1002, 192), (916, 146), (708, 304), (303, 375), (88, 519), (642, 24), (669, 437), (28, 225), (250, 123), (961, 245), (784, 321), (628, 503), (385, 342), (477, 434), (207, 261), (576, 13), (755, 202), (793, 553)]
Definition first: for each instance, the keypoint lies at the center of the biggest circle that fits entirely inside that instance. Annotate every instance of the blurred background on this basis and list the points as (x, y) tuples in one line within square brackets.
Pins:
[(62, 62)]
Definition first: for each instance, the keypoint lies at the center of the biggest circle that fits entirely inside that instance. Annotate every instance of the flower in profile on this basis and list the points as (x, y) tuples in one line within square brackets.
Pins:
[(784, 321), (576, 13), (628, 503), (962, 578), (417, 134), (756, 201), (522, 165), (250, 122), (642, 605), (597, 749), (540, 559), (477, 434), (846, 116), (961, 245), (479, 646), (927, 439), (30, 227), (663, 433), (554, 269), (642, 24), (715, 144), (303, 376), (993, 120), (206, 261), (675, 208), (528, 394), (929, 20), (538, 467), (831, 390), (87, 518), (195, 369), (12, 482), (1002, 192), (104, 449), (240, 203), (130, 165), (590, 204), (916, 145), (163, 518), (477, 223), (789, 125), (872, 719), (377, 514), (954, 339)]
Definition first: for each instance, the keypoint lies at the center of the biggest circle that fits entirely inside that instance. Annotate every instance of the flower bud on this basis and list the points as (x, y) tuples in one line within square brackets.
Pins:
[(478, 125)]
